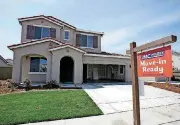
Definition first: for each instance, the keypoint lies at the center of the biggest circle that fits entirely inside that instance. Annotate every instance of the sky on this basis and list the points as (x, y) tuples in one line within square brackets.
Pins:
[(122, 21)]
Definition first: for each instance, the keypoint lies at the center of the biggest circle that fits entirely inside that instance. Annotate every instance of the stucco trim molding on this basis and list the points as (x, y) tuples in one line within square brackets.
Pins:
[(32, 42), (67, 46)]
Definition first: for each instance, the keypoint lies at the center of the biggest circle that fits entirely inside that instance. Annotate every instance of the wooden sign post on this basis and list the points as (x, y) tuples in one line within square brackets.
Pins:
[(134, 67)]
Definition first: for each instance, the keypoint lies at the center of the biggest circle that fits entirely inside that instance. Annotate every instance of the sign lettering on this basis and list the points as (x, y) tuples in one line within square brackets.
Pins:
[(154, 63)]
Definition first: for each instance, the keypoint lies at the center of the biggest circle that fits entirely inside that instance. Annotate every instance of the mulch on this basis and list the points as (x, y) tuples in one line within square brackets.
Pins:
[(170, 87)]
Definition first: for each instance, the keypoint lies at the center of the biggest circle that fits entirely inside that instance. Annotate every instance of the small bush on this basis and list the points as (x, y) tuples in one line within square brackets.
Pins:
[(27, 85), (51, 84)]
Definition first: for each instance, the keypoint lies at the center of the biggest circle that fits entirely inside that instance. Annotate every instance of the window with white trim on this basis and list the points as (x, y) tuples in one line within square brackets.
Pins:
[(66, 35), (38, 64)]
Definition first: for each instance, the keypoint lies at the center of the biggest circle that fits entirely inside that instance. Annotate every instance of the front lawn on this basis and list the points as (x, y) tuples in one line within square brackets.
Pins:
[(37, 106)]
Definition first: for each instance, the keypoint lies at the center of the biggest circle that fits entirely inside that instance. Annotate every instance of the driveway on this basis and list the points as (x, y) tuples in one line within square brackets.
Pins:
[(159, 105), (117, 97)]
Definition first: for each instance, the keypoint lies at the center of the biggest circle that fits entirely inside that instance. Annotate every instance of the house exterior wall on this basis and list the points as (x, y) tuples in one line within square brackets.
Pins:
[(38, 49), (59, 33), (78, 65)]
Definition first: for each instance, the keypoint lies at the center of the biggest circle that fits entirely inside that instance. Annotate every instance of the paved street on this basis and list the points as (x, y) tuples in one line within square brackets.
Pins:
[(158, 107)]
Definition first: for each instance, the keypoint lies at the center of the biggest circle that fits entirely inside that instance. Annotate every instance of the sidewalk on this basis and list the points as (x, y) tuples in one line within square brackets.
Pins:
[(167, 115)]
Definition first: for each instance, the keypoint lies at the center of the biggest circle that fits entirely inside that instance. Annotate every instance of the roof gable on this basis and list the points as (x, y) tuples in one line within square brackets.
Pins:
[(67, 46), (48, 18), (1, 58)]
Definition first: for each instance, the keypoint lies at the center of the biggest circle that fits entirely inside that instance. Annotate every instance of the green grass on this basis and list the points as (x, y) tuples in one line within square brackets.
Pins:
[(45, 106)]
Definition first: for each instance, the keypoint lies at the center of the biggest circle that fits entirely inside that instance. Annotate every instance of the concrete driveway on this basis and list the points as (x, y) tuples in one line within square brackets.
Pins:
[(160, 106)]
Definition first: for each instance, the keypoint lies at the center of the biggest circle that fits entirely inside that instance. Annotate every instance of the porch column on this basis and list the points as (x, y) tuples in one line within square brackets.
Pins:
[(16, 74)]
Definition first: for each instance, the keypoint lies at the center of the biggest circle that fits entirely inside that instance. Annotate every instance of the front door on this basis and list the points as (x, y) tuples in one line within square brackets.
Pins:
[(66, 70)]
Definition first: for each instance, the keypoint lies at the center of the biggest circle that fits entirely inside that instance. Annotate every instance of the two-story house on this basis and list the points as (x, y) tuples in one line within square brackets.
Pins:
[(51, 49)]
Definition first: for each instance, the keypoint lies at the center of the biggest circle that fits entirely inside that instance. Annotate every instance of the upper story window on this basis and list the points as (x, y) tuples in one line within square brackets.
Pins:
[(38, 64), (38, 32), (88, 41), (66, 35)]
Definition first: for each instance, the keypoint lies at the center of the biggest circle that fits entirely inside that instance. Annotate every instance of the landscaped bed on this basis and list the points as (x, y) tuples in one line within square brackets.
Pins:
[(35, 106), (169, 87)]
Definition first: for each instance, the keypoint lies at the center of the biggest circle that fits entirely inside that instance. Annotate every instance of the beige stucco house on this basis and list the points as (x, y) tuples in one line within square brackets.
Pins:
[(51, 49)]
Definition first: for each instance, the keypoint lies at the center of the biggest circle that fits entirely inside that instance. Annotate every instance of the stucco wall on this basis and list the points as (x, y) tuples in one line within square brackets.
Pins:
[(78, 65), (59, 33), (41, 49)]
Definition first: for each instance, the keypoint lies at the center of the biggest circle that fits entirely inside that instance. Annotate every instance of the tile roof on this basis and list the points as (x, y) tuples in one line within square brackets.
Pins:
[(34, 41), (3, 59), (107, 53)]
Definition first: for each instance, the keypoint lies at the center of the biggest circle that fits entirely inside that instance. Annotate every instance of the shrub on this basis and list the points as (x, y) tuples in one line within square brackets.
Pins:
[(27, 85), (51, 84)]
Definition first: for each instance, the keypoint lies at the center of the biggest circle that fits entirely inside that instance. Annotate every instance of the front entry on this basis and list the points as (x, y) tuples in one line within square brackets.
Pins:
[(66, 70)]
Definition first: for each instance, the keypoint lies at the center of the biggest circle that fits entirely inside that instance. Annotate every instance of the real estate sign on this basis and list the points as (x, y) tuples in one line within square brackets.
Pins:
[(155, 63)]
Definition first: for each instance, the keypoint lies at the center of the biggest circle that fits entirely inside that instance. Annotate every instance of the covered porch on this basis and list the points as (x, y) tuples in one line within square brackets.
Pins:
[(103, 73)]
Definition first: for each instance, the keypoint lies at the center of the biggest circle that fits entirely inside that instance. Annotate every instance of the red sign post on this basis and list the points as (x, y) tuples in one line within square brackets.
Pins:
[(155, 63)]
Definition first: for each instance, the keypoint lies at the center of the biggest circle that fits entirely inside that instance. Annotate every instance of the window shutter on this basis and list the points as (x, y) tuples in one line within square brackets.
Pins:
[(95, 41), (52, 32), (78, 39), (30, 32)]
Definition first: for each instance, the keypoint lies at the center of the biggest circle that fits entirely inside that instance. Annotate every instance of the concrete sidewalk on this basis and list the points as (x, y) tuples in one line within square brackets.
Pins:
[(152, 116)]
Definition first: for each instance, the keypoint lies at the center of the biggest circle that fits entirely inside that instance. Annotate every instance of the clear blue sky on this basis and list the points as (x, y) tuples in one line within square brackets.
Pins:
[(122, 21)]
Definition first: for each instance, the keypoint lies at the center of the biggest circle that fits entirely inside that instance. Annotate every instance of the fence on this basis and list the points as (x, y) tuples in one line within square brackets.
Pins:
[(5, 73)]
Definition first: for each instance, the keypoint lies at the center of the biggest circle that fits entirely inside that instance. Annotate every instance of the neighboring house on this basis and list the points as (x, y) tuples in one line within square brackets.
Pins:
[(176, 60), (51, 49), (4, 62)]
